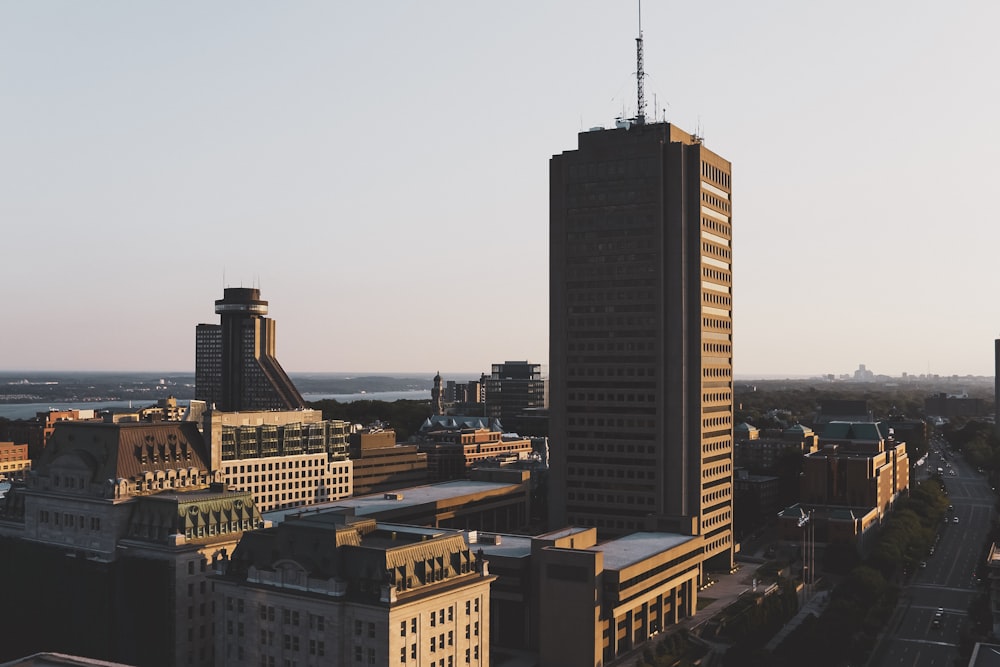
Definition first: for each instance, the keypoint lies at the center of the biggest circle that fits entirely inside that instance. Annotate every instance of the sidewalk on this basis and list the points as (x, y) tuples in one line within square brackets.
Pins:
[(813, 606), (722, 593)]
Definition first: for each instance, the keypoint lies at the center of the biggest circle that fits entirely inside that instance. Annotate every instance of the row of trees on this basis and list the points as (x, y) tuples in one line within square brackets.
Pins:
[(860, 606), (403, 416)]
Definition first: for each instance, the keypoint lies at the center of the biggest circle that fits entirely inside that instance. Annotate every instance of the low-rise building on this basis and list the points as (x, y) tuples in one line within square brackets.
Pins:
[(455, 444), (380, 464), (290, 458), (575, 602), (328, 589), (14, 461), (119, 523)]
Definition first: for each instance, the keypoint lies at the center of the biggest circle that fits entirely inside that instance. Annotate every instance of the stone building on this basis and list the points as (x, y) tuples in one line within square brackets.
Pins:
[(328, 589), (109, 543)]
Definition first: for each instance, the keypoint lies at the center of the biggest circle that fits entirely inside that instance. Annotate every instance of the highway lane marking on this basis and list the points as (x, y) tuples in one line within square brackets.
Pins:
[(923, 641)]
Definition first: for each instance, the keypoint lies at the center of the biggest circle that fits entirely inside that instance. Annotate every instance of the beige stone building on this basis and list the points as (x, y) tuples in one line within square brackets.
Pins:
[(290, 458), (325, 589), (110, 543), (14, 461), (576, 602)]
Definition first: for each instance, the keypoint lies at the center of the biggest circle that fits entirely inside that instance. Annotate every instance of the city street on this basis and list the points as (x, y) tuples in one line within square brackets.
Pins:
[(925, 628)]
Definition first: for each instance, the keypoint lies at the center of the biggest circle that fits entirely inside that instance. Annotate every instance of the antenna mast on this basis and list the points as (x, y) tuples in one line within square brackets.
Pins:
[(640, 74)]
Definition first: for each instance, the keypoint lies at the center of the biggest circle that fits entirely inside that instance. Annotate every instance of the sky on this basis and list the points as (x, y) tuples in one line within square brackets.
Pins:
[(380, 170)]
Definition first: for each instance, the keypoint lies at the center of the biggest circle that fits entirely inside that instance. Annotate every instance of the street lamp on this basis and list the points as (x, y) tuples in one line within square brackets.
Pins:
[(808, 527)]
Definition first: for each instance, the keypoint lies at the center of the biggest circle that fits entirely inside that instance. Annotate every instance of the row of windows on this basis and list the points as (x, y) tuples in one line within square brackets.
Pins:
[(718, 203), (602, 498), (715, 174), (714, 274), (592, 471), (714, 471), (716, 372), (725, 517), (606, 295), (716, 421), (603, 323), (716, 226), (715, 446), (723, 493), (717, 250), (630, 346), (69, 520), (711, 296)]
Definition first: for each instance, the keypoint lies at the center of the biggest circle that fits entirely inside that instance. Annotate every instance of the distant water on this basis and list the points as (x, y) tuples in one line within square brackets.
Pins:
[(29, 410), (388, 396)]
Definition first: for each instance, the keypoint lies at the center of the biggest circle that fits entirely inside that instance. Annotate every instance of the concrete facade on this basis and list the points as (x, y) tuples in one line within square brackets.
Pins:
[(641, 384), (324, 589)]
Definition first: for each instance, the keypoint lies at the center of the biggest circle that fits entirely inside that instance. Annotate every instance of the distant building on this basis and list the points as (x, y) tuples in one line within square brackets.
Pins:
[(863, 374), (850, 483), (380, 464), (327, 589), (843, 410), (856, 466), (454, 444), (14, 461), (466, 397), (121, 524), (757, 500), (235, 364), (948, 406), (512, 388), (760, 452), (36, 432)]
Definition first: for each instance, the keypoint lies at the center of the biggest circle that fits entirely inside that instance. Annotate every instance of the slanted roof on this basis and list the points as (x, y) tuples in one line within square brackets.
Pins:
[(853, 431), (128, 450)]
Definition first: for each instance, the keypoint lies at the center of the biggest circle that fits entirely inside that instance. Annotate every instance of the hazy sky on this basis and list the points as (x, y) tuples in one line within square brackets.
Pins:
[(380, 170)]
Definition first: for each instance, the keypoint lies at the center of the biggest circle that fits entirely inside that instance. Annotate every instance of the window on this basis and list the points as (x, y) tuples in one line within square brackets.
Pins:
[(371, 656), (402, 628), (402, 654), (357, 629), (357, 653), (371, 630)]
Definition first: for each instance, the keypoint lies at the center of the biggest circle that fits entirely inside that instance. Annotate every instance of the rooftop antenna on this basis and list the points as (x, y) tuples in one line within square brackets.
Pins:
[(640, 74)]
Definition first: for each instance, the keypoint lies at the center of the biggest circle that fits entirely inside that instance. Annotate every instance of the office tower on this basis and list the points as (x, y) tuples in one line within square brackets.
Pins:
[(641, 385), (512, 388), (235, 365)]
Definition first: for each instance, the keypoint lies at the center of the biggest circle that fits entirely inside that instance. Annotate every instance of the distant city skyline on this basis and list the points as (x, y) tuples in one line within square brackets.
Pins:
[(380, 171)]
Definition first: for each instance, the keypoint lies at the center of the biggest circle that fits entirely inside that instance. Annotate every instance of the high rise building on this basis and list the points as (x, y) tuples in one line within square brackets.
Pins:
[(512, 388), (235, 365), (641, 373)]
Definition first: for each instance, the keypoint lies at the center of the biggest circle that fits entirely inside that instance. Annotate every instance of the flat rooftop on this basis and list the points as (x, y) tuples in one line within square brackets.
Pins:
[(375, 503), (637, 547)]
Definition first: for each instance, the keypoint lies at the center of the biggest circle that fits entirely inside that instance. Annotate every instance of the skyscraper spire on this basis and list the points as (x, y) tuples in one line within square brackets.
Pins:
[(640, 74)]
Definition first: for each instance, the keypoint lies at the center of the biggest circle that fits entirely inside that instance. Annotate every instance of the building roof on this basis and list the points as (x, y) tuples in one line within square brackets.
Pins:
[(46, 659), (840, 430), (128, 450), (459, 422), (637, 547), (410, 497)]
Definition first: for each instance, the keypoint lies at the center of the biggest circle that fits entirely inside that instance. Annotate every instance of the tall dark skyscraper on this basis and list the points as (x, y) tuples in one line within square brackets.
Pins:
[(641, 372), (235, 365)]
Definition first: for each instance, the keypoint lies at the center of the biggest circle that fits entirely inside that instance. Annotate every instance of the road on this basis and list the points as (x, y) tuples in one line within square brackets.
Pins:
[(947, 582)]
